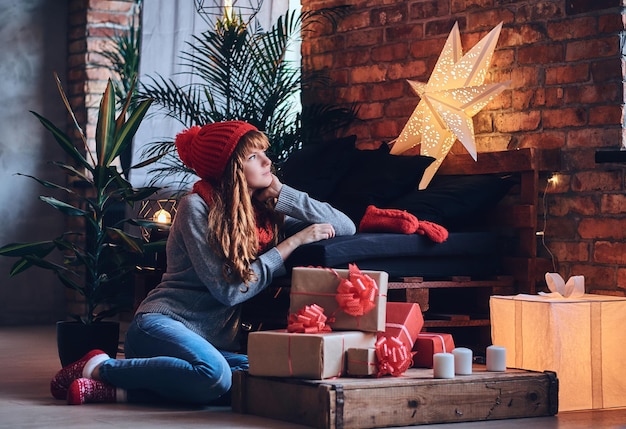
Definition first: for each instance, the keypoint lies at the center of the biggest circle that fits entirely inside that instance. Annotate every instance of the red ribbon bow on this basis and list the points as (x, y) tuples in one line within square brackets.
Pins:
[(356, 295), (393, 356), (308, 320)]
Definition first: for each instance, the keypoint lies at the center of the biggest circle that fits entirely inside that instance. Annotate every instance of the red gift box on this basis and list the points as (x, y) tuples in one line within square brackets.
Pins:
[(404, 321), (429, 343)]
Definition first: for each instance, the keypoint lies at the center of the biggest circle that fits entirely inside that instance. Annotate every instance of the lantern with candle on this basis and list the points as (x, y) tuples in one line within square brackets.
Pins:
[(161, 212)]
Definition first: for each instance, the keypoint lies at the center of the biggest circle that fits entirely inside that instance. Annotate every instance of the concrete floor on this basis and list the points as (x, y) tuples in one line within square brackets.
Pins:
[(29, 360)]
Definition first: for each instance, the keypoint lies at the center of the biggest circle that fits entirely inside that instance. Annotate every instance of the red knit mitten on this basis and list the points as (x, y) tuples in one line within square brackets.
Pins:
[(65, 377), (435, 232), (388, 220), (83, 390)]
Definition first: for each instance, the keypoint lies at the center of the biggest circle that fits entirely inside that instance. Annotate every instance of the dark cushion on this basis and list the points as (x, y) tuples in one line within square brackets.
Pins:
[(317, 168), (455, 202), (377, 177), (401, 255)]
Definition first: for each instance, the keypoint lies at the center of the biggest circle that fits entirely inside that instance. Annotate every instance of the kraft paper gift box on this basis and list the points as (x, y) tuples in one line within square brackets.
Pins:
[(582, 339), (362, 362), (429, 343), (311, 285), (404, 322), (311, 356)]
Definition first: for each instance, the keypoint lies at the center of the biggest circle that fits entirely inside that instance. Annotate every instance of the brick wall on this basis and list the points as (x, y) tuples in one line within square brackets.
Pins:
[(566, 66), (564, 60)]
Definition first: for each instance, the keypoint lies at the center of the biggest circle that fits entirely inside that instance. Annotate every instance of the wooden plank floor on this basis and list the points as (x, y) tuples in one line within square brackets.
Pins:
[(28, 361)]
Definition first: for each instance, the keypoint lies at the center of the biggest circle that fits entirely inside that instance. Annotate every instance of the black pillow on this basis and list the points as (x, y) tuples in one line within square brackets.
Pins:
[(317, 168), (456, 202), (377, 177)]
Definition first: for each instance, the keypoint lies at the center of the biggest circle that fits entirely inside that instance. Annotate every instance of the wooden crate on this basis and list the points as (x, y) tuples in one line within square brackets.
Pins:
[(415, 398)]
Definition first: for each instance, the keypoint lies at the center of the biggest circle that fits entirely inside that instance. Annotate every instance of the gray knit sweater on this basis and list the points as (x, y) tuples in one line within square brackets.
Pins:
[(193, 290)]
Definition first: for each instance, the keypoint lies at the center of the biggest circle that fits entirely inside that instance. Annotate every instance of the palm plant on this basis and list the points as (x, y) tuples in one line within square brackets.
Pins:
[(241, 71), (96, 261)]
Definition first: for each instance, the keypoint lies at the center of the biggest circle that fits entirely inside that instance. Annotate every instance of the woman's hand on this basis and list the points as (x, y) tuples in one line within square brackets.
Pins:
[(310, 234), (272, 191), (316, 232)]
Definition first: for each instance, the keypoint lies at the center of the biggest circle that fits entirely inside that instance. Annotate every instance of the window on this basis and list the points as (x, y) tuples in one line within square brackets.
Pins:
[(167, 26)]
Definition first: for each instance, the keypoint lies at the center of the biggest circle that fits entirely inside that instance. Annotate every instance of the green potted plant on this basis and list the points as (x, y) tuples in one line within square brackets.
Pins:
[(98, 259)]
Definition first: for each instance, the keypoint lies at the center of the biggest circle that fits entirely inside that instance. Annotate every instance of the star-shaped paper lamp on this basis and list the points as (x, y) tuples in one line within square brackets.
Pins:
[(454, 93)]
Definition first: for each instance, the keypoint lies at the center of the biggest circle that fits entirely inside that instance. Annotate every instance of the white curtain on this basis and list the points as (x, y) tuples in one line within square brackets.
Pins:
[(167, 27)]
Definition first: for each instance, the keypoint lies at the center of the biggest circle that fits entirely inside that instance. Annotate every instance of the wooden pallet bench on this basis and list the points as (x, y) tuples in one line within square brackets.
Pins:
[(419, 290), (415, 398)]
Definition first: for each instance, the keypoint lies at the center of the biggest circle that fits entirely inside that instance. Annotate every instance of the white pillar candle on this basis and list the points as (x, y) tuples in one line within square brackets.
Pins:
[(443, 365), (462, 361), (496, 358)]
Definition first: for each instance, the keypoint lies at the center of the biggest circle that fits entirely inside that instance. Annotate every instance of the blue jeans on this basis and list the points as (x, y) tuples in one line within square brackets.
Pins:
[(165, 361)]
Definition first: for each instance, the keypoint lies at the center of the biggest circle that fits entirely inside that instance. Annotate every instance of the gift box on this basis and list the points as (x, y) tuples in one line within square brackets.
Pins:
[(580, 339), (361, 362), (311, 285), (312, 356), (404, 321), (429, 343)]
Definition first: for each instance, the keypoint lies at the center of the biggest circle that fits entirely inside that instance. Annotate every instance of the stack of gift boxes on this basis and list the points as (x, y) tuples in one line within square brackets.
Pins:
[(340, 324)]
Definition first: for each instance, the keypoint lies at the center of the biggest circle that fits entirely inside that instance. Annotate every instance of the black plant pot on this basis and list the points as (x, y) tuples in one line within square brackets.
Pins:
[(75, 339)]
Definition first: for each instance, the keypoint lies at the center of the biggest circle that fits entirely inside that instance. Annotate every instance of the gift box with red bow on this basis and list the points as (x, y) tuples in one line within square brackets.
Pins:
[(313, 356), (351, 299), (404, 321), (429, 343)]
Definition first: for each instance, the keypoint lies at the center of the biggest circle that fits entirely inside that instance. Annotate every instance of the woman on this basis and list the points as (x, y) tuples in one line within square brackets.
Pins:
[(229, 240)]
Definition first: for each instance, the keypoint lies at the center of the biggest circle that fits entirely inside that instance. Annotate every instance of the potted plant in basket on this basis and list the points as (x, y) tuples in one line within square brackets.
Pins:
[(97, 260)]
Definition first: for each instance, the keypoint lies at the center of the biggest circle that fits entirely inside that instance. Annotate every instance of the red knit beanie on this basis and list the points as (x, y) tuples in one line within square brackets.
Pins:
[(207, 149)]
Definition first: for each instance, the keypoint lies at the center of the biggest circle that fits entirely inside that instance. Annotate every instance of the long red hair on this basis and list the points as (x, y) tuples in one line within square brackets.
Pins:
[(236, 220)]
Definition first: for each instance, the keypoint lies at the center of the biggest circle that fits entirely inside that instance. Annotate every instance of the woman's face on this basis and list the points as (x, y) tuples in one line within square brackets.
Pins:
[(257, 168)]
